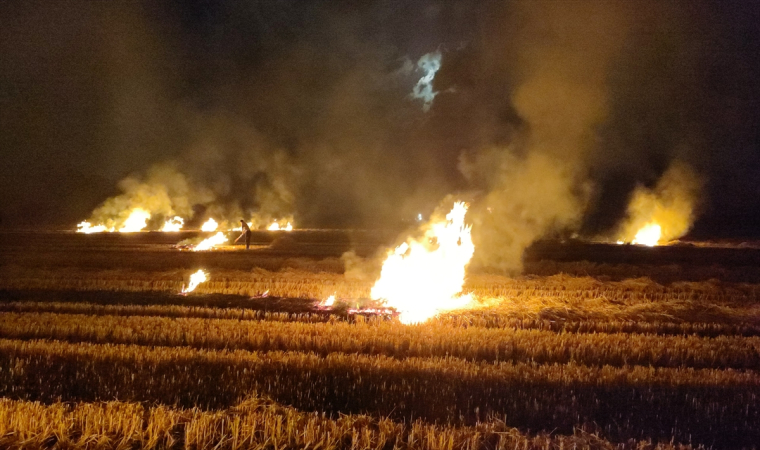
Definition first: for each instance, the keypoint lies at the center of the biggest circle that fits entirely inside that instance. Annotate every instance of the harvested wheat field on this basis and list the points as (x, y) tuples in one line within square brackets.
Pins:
[(98, 349)]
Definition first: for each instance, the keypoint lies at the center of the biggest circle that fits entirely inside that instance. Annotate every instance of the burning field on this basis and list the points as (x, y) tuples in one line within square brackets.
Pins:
[(391, 225), (347, 340)]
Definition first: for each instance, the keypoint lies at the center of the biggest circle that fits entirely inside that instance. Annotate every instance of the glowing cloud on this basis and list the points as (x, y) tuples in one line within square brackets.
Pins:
[(428, 63)]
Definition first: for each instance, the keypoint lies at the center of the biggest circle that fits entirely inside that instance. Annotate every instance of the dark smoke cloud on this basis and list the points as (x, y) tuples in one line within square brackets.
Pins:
[(551, 113), (537, 178)]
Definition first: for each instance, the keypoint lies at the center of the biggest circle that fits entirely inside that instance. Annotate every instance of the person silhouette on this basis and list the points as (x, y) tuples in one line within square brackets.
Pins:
[(246, 232)]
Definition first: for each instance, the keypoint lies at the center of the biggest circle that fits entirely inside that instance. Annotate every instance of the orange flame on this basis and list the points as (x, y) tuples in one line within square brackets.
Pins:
[(275, 226), (648, 235), (137, 220), (207, 244), (209, 225), (666, 212), (87, 228), (422, 278), (174, 224), (195, 279)]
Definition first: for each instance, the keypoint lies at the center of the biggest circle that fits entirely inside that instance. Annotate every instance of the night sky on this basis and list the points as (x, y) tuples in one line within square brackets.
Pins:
[(306, 107)]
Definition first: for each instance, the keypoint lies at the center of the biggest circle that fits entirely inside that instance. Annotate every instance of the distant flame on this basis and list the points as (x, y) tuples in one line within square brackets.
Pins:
[(195, 279), (174, 224), (421, 278), (86, 227), (275, 226), (209, 225), (666, 212), (217, 239), (329, 301), (649, 235), (137, 220)]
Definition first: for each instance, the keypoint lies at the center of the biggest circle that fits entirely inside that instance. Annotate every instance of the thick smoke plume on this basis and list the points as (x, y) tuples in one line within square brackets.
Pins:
[(671, 204), (164, 193), (537, 183), (530, 198), (259, 190)]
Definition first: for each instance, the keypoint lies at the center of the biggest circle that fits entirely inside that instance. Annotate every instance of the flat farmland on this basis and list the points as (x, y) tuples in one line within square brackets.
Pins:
[(593, 346)]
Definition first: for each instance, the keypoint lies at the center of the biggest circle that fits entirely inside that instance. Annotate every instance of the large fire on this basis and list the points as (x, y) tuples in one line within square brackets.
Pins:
[(424, 277), (209, 225), (195, 279), (649, 235), (207, 244), (174, 224), (137, 220)]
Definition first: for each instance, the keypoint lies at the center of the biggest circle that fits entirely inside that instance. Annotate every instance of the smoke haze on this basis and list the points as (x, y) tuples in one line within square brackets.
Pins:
[(548, 113)]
